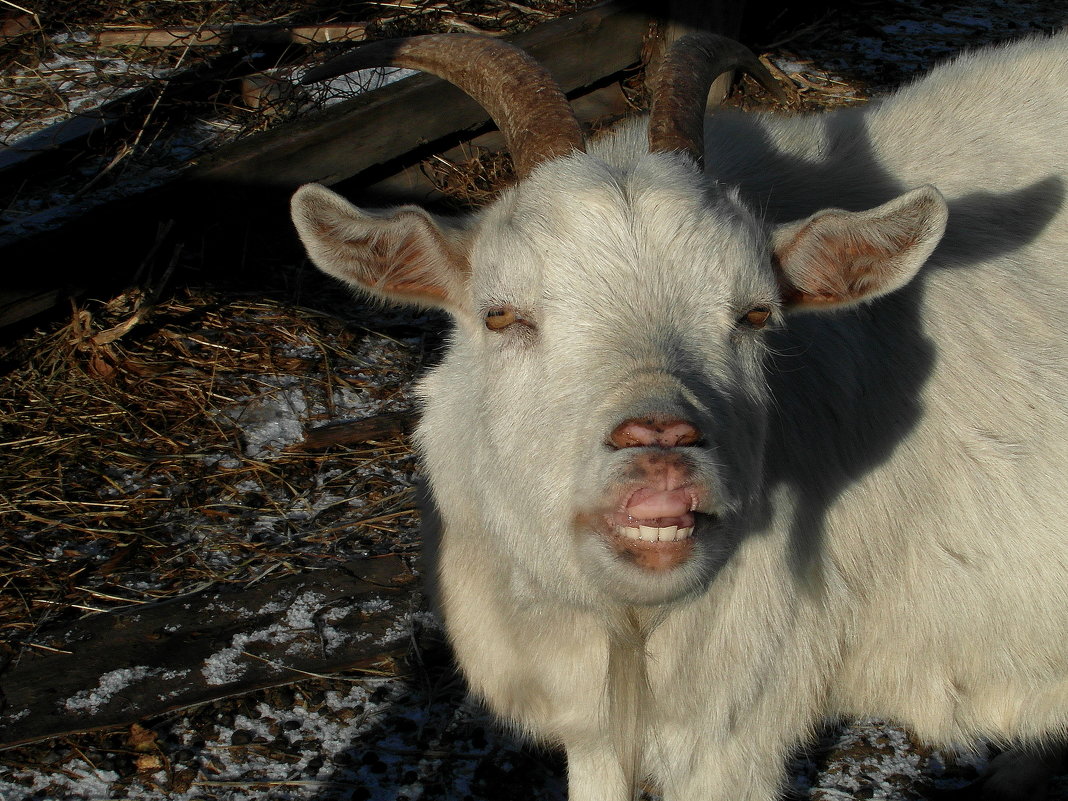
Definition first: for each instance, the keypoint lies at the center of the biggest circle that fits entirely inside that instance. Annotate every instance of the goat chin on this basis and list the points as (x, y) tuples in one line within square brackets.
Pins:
[(641, 574), (719, 453)]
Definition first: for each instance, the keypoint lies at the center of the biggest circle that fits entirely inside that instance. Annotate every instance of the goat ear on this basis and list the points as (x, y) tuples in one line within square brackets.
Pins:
[(400, 254), (837, 258)]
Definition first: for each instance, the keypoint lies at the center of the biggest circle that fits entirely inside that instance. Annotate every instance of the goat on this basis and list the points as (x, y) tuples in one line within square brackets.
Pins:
[(749, 421)]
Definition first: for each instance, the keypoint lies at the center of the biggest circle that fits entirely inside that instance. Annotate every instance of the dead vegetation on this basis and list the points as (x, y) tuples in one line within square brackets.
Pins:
[(126, 478), (146, 439), (56, 55)]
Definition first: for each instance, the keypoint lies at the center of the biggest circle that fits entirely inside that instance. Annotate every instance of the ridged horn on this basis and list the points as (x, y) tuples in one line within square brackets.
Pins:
[(519, 93), (680, 91)]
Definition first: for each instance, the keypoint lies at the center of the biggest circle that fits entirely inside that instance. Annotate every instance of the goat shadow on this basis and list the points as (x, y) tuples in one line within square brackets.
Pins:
[(426, 739), (847, 395)]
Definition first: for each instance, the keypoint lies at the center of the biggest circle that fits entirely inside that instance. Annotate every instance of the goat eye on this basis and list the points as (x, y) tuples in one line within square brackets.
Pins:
[(500, 317), (756, 317)]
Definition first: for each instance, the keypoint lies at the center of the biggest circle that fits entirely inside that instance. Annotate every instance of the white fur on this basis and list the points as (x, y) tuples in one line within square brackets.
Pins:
[(889, 473)]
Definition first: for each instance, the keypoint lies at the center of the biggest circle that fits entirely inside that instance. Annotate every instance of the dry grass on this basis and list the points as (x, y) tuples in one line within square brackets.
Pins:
[(124, 476)]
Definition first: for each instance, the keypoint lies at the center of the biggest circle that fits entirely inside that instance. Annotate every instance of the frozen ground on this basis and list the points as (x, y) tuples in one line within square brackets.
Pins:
[(413, 736)]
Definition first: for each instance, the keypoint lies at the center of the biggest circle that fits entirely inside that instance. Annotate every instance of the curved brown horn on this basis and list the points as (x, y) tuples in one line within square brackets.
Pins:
[(677, 118), (520, 95)]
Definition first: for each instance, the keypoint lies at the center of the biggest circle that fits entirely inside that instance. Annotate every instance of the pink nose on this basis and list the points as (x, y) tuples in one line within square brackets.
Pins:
[(663, 432)]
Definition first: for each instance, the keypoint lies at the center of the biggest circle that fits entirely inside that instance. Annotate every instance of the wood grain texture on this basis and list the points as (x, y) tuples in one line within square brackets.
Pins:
[(113, 669)]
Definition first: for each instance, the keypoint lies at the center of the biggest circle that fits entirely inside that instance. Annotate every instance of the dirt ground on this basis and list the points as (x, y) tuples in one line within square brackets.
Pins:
[(146, 438)]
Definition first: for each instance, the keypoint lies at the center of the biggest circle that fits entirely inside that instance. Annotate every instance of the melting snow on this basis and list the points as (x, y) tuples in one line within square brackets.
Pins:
[(345, 86), (229, 664), (90, 701), (271, 422), (274, 421)]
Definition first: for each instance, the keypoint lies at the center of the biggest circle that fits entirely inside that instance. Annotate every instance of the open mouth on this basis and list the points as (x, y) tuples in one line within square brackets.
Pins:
[(656, 515), (654, 529), (657, 548)]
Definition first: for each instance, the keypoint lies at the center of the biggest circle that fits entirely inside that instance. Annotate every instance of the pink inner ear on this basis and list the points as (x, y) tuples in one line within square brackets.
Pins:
[(416, 264), (838, 266), (402, 256), (839, 257)]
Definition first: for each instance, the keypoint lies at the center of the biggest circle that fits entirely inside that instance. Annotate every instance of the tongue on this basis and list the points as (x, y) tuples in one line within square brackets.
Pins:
[(647, 504)]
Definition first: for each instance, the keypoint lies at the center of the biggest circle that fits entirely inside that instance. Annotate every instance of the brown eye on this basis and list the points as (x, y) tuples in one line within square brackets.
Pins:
[(500, 317), (756, 317)]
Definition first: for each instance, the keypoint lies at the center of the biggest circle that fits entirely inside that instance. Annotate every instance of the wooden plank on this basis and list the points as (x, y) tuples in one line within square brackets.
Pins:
[(114, 669), (13, 25), (16, 305), (69, 131), (378, 427), (397, 119), (30, 292), (232, 35)]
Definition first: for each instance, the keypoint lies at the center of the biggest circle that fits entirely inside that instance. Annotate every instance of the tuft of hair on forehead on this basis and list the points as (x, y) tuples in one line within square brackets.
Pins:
[(659, 195)]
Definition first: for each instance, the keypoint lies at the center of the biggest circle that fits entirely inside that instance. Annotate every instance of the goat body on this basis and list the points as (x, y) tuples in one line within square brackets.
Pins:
[(720, 454)]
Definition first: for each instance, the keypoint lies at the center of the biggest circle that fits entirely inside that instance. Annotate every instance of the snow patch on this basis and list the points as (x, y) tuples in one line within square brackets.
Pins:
[(303, 615), (346, 86), (402, 629), (115, 681), (271, 422)]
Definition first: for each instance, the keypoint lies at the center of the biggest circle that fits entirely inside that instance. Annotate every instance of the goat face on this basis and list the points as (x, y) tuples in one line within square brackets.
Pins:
[(609, 356), (600, 417)]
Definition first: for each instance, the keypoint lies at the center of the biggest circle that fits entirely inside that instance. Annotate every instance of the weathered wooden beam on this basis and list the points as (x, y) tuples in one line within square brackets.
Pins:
[(379, 127), (377, 427), (413, 185), (236, 35), (48, 268), (14, 24), (18, 305), (114, 669)]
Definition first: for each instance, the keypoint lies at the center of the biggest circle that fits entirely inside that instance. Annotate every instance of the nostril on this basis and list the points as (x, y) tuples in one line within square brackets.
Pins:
[(654, 431)]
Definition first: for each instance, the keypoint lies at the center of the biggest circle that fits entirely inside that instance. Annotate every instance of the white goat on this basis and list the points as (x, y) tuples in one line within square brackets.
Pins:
[(721, 453)]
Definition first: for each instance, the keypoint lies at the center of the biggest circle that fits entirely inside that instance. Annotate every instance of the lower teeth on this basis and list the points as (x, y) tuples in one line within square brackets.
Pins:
[(655, 533)]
